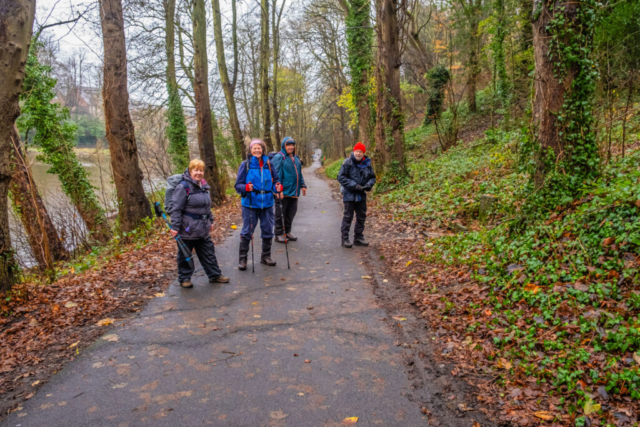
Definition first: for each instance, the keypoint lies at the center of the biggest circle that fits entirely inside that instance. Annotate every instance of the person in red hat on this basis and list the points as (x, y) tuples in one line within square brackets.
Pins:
[(356, 178)]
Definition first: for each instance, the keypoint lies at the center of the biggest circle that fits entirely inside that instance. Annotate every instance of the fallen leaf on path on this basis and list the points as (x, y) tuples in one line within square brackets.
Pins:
[(530, 287), (70, 304), (159, 294), (278, 415), (121, 385), (350, 420), (408, 263), (105, 322), (366, 277), (234, 227), (111, 337), (636, 357), (35, 383), (307, 361), (74, 344), (544, 415), (399, 318)]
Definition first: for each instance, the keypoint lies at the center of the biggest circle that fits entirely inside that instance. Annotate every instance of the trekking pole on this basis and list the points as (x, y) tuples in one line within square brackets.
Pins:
[(286, 245), (188, 255), (253, 263)]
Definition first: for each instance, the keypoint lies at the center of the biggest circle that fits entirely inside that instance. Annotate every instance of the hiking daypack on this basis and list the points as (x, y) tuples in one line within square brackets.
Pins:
[(172, 182), (273, 154)]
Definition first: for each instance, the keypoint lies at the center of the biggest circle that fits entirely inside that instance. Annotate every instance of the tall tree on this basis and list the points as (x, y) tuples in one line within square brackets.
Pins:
[(132, 201), (228, 86), (202, 102), (564, 87), (177, 129), (16, 26), (390, 120), (360, 51), (472, 10), (276, 17), (264, 73), (45, 242)]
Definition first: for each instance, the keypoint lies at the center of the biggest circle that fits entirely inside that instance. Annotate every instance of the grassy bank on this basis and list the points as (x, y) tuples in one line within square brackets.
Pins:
[(546, 304)]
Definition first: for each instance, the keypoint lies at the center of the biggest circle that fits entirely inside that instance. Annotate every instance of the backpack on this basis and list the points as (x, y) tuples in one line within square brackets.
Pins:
[(172, 182), (273, 154)]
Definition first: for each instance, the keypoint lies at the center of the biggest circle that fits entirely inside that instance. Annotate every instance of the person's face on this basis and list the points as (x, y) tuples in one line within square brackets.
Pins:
[(290, 148), (197, 174), (358, 154), (256, 150)]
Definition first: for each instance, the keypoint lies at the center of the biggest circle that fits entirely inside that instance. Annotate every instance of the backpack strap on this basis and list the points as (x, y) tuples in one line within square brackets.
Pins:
[(187, 188)]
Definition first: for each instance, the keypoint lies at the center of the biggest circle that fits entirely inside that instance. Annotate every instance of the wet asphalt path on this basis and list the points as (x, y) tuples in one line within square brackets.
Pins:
[(299, 347)]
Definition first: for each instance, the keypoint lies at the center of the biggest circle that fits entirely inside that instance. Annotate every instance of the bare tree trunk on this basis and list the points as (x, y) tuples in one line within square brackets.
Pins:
[(16, 25), (46, 245), (203, 103), (133, 203), (227, 86), (473, 67), (264, 74), (177, 129), (275, 22), (389, 123)]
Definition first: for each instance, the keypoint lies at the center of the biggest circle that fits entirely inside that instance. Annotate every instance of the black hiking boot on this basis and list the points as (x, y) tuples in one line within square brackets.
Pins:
[(346, 243), (280, 238), (360, 242), (265, 258), (291, 237), (244, 250)]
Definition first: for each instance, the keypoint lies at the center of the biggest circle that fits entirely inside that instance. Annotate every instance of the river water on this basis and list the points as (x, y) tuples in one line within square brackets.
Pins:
[(63, 213)]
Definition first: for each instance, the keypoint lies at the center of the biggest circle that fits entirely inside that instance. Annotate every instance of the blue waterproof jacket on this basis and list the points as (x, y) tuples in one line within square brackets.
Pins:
[(354, 173), (289, 170), (264, 180)]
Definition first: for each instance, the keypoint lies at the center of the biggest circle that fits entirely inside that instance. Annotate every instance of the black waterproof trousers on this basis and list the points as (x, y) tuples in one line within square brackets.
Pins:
[(360, 210), (206, 255), (288, 210)]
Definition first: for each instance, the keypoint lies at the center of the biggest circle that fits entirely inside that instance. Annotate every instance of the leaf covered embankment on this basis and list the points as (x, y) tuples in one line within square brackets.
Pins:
[(44, 326), (546, 307)]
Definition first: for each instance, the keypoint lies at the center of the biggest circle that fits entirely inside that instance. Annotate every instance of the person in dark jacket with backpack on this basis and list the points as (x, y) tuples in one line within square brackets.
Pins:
[(191, 218), (290, 173), (257, 183), (356, 177)]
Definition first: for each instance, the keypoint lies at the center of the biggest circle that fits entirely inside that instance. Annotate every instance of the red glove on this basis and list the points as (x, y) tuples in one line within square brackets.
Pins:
[(249, 187)]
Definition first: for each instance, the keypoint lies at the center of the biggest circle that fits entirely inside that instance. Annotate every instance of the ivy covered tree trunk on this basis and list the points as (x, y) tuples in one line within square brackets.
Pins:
[(360, 53), (502, 85), (16, 25), (44, 240), (473, 10), (264, 73), (55, 136), (564, 89), (227, 85), (389, 120), (177, 129), (133, 205), (203, 104)]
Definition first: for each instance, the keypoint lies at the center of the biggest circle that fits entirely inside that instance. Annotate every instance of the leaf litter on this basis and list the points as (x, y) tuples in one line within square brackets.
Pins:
[(42, 327)]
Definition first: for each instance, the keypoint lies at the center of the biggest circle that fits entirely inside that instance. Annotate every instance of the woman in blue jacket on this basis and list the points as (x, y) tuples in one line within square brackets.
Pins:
[(257, 183)]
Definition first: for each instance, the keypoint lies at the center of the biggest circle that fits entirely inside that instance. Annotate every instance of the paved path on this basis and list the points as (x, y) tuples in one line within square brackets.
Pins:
[(305, 347)]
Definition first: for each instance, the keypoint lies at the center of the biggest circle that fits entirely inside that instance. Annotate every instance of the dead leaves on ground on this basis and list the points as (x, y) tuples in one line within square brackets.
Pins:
[(43, 326)]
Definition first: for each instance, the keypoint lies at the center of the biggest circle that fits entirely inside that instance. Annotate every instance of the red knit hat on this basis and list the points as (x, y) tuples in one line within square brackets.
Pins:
[(360, 146)]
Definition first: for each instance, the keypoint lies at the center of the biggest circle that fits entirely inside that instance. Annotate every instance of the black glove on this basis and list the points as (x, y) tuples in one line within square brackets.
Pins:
[(367, 188), (359, 187)]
